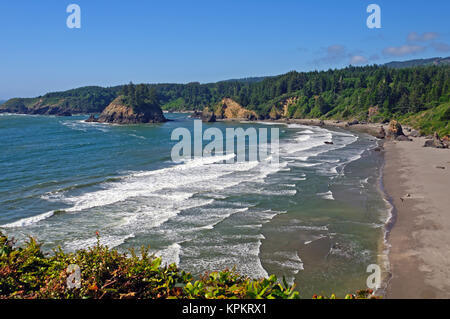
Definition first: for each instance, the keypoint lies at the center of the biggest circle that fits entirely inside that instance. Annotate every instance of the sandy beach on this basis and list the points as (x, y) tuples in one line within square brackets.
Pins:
[(418, 181)]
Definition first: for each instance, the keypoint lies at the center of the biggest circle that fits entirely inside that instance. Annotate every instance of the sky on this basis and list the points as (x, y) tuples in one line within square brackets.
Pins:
[(206, 41)]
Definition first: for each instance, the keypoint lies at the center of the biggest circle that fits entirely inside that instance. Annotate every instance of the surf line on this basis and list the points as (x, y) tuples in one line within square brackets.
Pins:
[(257, 144)]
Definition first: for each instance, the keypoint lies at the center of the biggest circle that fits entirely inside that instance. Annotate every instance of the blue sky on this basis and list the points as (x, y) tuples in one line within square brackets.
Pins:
[(205, 41)]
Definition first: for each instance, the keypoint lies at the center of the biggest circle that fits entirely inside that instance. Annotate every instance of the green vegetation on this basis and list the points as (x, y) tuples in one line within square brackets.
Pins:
[(433, 120), (105, 273), (90, 99), (140, 97), (371, 93)]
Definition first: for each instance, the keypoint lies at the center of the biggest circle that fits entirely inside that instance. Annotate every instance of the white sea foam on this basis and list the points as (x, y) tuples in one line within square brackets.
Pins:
[(244, 256), (170, 254), (149, 183), (328, 195), (214, 216), (28, 220), (288, 260), (108, 240), (267, 123), (81, 125)]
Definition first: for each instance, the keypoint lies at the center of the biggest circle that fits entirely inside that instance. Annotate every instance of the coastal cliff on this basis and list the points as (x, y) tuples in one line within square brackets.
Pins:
[(226, 109), (230, 109), (36, 106), (89, 99)]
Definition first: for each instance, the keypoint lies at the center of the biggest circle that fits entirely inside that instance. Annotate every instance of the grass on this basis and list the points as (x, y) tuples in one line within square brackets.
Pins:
[(433, 120)]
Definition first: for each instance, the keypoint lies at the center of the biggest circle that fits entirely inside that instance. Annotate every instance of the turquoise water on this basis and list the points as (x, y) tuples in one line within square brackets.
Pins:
[(317, 218)]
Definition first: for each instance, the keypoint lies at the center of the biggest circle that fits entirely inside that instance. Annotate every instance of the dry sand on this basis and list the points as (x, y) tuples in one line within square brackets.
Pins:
[(420, 238)]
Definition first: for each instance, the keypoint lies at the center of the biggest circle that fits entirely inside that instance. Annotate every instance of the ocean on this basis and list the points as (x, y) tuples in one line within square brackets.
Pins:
[(316, 219)]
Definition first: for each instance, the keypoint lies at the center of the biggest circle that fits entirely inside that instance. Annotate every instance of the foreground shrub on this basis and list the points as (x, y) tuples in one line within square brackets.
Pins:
[(26, 272)]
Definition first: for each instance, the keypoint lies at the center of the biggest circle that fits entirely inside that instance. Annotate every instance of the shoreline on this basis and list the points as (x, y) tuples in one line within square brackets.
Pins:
[(415, 181)]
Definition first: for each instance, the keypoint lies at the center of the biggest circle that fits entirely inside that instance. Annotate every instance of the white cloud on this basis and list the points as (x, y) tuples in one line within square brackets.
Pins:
[(426, 36), (358, 59), (403, 50)]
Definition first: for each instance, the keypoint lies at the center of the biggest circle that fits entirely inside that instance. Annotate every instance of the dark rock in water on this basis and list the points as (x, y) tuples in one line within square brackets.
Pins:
[(382, 133), (378, 149), (329, 143), (436, 142), (403, 138), (354, 122), (440, 167), (394, 130), (196, 115), (208, 117), (92, 118)]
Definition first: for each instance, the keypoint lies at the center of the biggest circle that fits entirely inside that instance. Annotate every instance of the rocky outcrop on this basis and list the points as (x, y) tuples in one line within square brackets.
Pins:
[(196, 115), (208, 116), (394, 130), (119, 113), (274, 114), (354, 122), (381, 133), (91, 118), (435, 142), (229, 109)]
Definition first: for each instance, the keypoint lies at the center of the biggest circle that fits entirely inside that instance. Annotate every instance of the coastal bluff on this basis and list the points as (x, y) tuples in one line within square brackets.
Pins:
[(119, 112), (226, 109)]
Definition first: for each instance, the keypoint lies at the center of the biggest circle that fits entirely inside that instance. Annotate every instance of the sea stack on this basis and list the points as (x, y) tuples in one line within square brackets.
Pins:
[(119, 113), (136, 105)]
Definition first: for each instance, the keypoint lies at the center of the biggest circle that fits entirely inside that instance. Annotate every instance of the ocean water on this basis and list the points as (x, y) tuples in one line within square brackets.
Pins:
[(317, 219)]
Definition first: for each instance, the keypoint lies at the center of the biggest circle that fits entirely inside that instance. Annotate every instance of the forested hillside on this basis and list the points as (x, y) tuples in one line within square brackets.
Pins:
[(374, 93)]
